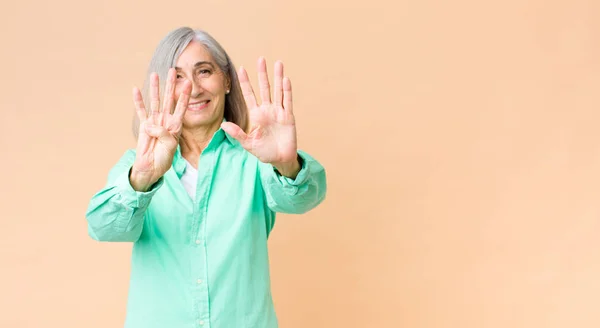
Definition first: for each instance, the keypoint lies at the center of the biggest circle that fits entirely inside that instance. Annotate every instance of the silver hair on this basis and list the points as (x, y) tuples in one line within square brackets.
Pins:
[(165, 56)]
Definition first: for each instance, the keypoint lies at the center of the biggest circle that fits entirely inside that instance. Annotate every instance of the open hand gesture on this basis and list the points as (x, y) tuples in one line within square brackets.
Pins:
[(272, 134), (159, 131)]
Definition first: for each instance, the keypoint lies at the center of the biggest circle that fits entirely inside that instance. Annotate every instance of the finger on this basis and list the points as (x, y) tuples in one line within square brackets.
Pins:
[(154, 96), (278, 84), (144, 140), (138, 102), (236, 132), (246, 87), (287, 95), (263, 81), (168, 97), (182, 103)]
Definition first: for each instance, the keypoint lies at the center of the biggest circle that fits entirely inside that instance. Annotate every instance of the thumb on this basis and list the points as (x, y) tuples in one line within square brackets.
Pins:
[(235, 131), (159, 132)]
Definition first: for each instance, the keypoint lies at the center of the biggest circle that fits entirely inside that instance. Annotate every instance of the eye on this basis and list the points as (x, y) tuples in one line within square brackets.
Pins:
[(179, 76), (205, 72)]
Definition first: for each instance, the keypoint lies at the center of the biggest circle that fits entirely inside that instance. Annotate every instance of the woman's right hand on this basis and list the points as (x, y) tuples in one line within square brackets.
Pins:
[(159, 131)]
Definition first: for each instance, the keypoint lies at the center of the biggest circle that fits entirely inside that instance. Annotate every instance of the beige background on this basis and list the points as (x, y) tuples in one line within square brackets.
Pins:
[(460, 138)]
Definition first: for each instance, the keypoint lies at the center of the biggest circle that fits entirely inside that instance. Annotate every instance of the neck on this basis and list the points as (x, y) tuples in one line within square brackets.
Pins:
[(194, 141)]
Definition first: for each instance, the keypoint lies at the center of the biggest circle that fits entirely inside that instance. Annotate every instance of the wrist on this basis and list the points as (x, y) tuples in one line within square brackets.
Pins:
[(140, 181), (289, 169)]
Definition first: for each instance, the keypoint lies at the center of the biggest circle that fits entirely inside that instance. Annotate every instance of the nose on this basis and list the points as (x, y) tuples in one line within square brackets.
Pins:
[(196, 88)]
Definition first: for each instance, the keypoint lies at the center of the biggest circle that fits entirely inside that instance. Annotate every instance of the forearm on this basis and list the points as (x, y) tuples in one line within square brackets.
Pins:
[(299, 194), (110, 220), (116, 212)]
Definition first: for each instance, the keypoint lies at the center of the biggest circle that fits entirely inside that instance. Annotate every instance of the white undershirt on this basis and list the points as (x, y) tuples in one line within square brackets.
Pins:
[(189, 179)]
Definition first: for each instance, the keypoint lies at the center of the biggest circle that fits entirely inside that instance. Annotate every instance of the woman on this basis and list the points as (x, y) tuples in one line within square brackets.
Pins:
[(198, 195)]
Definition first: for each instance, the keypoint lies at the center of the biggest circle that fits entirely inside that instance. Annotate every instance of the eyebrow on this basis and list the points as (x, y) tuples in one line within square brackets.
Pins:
[(198, 64)]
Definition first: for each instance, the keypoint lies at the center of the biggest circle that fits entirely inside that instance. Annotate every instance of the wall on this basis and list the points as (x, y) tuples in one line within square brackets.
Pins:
[(461, 141)]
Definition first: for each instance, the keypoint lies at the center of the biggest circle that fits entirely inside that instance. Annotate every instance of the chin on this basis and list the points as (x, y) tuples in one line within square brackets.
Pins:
[(200, 121)]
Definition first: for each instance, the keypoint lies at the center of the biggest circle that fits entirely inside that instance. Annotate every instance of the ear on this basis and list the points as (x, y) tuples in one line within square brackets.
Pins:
[(227, 84)]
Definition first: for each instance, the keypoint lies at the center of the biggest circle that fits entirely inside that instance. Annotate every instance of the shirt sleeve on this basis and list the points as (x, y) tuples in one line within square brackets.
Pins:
[(116, 212), (295, 196)]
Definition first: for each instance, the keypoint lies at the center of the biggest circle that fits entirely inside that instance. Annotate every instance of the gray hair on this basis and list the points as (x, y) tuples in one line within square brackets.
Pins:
[(165, 56)]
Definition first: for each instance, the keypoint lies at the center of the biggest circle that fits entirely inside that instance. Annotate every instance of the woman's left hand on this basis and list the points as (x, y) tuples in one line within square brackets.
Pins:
[(272, 134)]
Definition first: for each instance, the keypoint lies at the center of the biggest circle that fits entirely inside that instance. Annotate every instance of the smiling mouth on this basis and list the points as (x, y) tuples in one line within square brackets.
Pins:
[(198, 105)]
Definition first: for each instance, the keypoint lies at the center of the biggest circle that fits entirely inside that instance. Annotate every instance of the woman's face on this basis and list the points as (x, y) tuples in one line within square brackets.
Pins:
[(209, 86)]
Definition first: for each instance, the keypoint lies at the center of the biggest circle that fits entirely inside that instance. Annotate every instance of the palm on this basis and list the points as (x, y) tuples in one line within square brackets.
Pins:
[(153, 153), (272, 134), (160, 129)]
